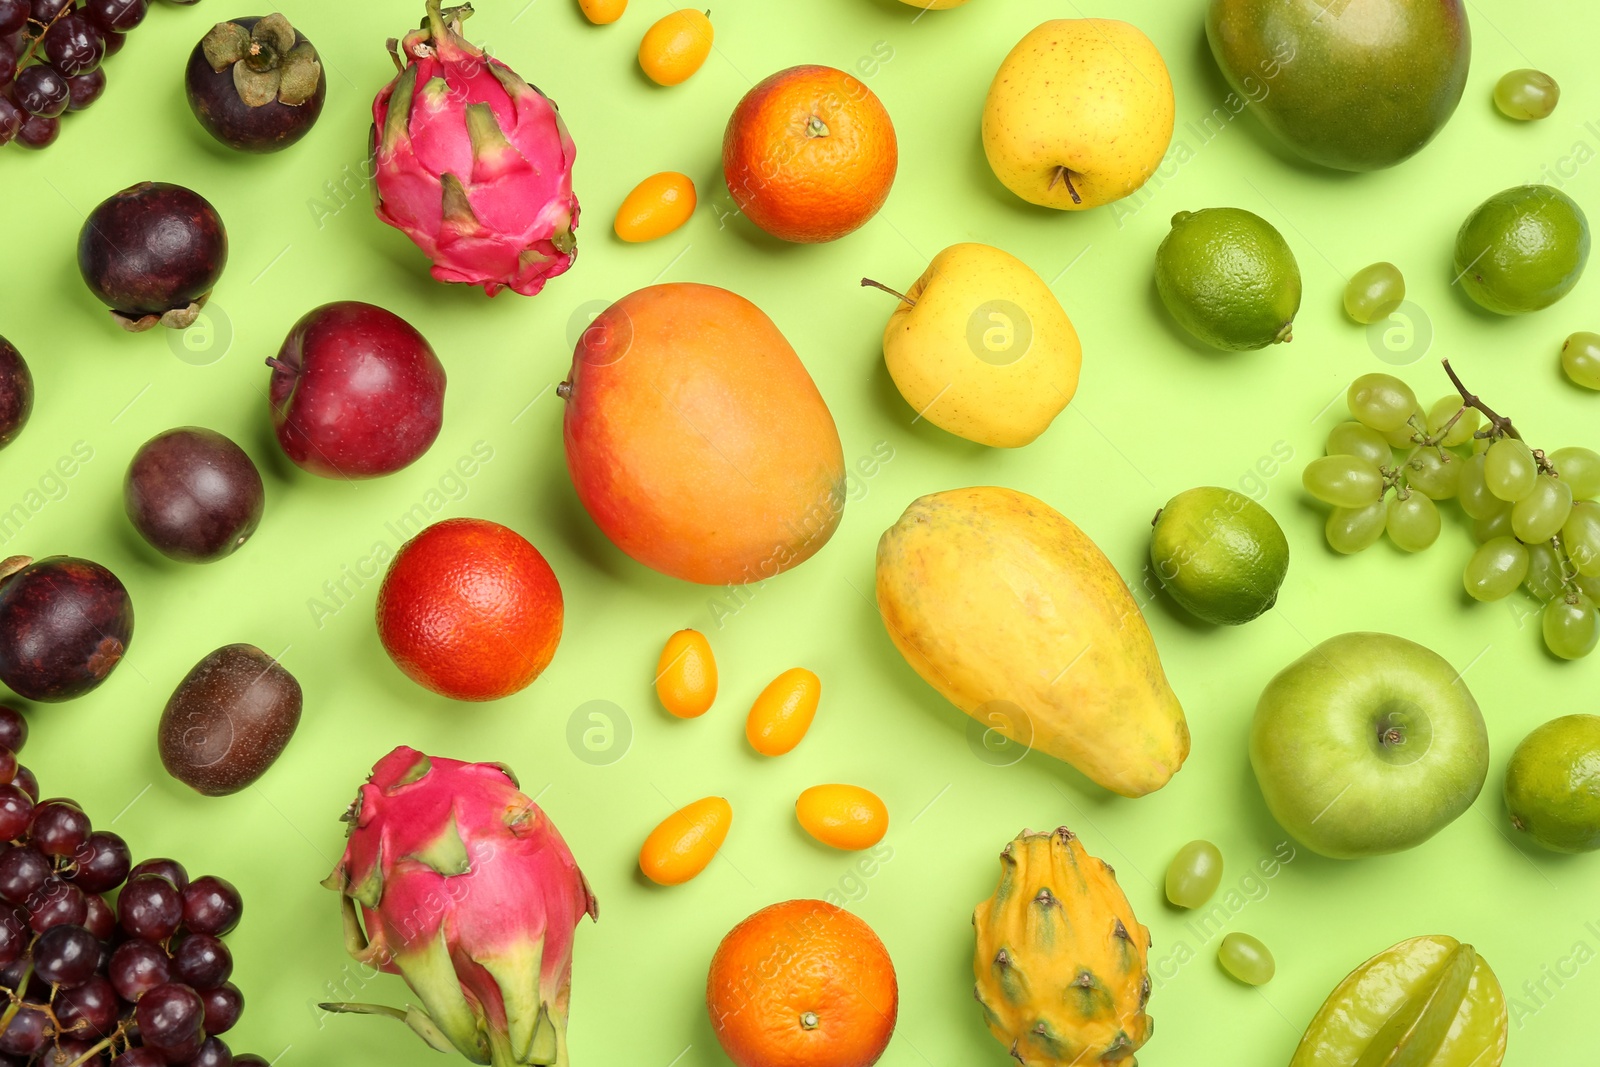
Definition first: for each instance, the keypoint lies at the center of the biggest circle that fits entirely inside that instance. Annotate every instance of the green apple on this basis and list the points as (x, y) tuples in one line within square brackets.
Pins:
[(1368, 744)]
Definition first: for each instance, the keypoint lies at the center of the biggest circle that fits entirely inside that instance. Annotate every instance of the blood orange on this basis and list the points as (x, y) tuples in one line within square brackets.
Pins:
[(470, 610)]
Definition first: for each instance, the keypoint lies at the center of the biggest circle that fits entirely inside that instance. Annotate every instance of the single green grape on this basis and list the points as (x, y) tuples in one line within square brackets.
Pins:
[(1343, 481), (1354, 439), (1435, 474), (1473, 492), (1509, 469), (1194, 874), (1352, 530), (1571, 628), (1579, 468), (1540, 515), (1374, 292), (1467, 423), (1580, 358), (1544, 580), (1246, 959), (1496, 569), (1580, 536), (1412, 522), (1526, 94), (1381, 401), (1589, 587), (1496, 525)]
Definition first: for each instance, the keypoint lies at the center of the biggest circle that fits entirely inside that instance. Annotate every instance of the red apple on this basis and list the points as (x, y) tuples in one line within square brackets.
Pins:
[(356, 392)]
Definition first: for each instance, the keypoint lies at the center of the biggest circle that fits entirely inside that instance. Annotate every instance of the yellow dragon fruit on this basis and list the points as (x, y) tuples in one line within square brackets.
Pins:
[(1061, 964), (473, 163), (458, 883)]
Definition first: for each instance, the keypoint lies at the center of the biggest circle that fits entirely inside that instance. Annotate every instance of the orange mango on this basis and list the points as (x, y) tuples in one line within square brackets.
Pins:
[(686, 841), (686, 675), (783, 712), (843, 816), (657, 206), (697, 441), (676, 46)]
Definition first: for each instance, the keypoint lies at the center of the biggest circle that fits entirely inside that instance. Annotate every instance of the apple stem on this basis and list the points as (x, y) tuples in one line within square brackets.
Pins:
[(1062, 175), (564, 390), (904, 299), (279, 365)]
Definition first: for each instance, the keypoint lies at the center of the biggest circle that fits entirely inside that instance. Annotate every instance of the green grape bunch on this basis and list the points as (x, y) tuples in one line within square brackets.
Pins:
[(1535, 515)]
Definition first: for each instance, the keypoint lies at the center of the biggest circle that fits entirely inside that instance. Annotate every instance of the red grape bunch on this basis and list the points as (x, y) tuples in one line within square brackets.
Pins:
[(50, 56), (85, 982)]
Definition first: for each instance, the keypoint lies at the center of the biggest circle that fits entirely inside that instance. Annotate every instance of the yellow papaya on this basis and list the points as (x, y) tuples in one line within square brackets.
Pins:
[(1004, 606)]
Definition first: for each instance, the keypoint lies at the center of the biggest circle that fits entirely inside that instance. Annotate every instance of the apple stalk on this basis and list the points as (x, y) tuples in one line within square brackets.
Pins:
[(904, 299)]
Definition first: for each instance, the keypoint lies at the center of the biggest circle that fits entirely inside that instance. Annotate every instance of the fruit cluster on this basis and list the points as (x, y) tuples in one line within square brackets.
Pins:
[(1535, 514), (139, 983), (684, 843), (50, 61)]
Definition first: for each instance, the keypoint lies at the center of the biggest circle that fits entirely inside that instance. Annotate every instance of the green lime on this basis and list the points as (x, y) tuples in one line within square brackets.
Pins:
[(1221, 555), (1522, 249), (1229, 278), (1553, 784)]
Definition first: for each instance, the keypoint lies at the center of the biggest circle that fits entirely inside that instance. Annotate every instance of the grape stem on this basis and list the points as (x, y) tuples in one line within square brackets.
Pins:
[(1499, 425), (1569, 577), (92, 1053), (34, 42)]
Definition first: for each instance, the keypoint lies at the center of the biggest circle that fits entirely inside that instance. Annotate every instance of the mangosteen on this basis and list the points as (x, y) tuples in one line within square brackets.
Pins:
[(152, 254), (16, 392), (193, 495), (256, 84), (64, 626)]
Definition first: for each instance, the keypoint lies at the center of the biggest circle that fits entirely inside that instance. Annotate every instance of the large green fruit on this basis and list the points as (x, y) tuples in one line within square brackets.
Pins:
[(1427, 1002), (1350, 84), (1368, 744)]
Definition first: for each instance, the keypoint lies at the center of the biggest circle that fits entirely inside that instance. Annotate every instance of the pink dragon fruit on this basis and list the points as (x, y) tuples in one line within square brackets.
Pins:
[(458, 883), (473, 163)]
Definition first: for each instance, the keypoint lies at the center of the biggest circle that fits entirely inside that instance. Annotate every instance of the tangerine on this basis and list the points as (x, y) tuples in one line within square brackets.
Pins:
[(802, 984), (810, 154), (470, 610)]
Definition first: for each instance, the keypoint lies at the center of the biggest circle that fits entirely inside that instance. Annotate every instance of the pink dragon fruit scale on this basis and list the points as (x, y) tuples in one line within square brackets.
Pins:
[(457, 882), (473, 163)]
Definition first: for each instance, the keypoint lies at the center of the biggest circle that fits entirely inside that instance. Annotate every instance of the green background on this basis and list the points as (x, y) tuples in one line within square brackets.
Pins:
[(1155, 415)]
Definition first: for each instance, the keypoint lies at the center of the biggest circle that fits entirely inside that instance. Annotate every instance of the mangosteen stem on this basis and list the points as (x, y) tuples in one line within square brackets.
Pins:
[(12, 565), (904, 299), (261, 57)]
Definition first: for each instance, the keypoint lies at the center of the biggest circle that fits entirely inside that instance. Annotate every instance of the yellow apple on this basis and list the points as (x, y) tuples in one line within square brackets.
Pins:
[(981, 347), (1079, 114)]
